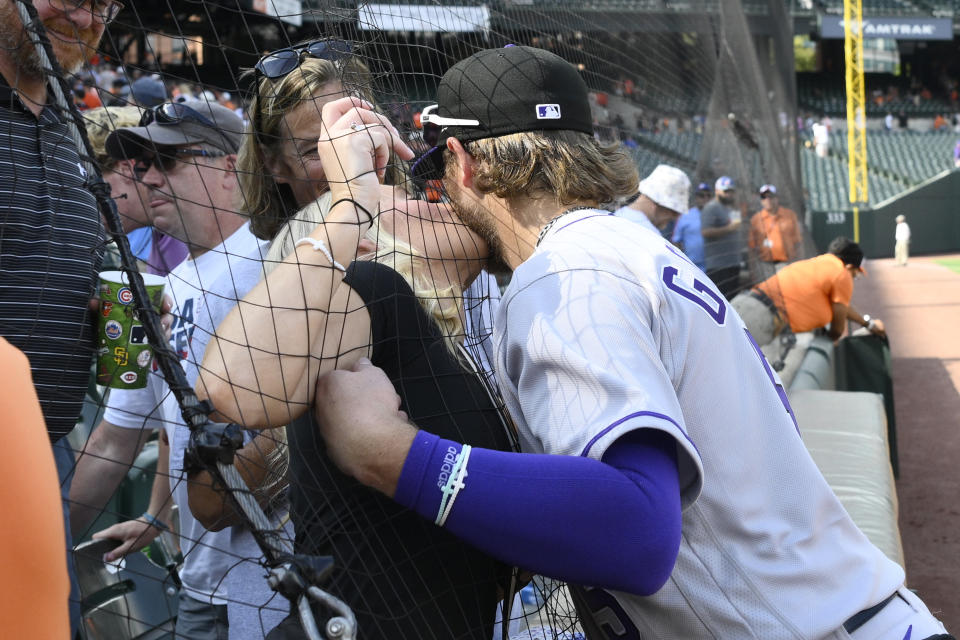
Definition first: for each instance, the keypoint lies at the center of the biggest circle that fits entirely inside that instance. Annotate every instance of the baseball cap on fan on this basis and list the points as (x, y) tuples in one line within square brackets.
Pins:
[(768, 188), (497, 92), (178, 124), (725, 183)]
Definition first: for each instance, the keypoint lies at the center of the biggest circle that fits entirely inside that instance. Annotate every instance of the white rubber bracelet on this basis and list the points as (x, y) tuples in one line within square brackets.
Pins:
[(318, 245), (456, 485)]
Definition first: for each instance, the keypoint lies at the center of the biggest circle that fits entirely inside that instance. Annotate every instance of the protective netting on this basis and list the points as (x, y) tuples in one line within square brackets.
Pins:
[(707, 87)]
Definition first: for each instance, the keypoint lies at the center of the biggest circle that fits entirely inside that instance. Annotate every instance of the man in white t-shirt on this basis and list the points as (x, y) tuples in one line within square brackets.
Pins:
[(662, 466), (821, 139), (901, 237), (186, 156)]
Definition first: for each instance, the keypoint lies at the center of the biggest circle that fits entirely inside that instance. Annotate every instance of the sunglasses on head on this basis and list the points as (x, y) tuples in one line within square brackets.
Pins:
[(279, 63), (433, 124), (167, 159), (175, 113)]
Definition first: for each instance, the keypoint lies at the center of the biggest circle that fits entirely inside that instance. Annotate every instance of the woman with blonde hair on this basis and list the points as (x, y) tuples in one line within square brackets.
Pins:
[(396, 299)]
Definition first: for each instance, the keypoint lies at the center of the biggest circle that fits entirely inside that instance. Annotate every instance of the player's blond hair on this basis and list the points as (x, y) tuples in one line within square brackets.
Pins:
[(568, 165)]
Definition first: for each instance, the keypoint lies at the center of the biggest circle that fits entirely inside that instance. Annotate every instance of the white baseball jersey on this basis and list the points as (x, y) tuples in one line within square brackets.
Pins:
[(203, 292), (607, 328)]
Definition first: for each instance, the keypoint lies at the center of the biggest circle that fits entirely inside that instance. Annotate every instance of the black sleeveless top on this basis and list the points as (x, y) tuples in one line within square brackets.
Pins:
[(403, 576)]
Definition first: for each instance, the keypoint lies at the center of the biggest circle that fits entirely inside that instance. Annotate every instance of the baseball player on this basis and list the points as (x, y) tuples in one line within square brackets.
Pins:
[(662, 464)]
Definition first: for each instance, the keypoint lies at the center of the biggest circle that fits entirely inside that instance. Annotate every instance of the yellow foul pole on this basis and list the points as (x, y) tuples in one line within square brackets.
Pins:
[(856, 109)]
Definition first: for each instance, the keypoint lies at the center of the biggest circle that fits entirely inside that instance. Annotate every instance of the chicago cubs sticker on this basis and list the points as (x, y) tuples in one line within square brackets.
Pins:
[(125, 296), (113, 329)]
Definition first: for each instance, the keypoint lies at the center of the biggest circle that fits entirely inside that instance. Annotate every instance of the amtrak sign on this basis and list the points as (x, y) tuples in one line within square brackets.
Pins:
[(893, 28)]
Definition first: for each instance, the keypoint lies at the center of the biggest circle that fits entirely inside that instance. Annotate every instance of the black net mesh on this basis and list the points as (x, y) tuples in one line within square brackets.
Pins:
[(707, 87)]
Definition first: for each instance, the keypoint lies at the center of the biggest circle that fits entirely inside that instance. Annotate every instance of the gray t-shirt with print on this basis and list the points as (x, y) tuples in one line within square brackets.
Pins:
[(723, 251)]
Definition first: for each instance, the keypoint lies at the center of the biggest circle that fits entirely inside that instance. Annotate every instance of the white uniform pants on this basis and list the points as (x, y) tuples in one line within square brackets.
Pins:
[(905, 617)]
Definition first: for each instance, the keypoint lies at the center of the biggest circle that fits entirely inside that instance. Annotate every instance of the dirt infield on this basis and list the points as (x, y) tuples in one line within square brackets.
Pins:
[(920, 305)]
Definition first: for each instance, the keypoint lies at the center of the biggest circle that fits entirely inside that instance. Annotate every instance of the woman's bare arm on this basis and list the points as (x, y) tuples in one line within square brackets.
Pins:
[(260, 368)]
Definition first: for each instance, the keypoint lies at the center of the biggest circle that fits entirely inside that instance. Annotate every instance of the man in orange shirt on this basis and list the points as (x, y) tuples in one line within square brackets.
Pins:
[(774, 234), (807, 295)]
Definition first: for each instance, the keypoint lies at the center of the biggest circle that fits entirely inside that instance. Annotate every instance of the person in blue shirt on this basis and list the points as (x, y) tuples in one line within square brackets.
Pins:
[(686, 233)]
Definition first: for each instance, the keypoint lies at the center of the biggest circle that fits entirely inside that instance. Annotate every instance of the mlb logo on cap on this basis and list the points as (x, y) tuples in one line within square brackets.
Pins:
[(548, 112)]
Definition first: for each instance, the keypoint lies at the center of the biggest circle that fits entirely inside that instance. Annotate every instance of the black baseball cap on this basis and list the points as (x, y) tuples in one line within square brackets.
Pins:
[(496, 92), (848, 251)]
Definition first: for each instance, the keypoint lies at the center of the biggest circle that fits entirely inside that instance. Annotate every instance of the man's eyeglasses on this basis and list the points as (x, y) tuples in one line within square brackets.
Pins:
[(167, 159), (104, 11), (175, 113), (279, 63)]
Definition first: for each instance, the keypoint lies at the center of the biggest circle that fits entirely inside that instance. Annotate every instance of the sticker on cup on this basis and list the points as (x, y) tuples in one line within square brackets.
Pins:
[(138, 335), (113, 329), (125, 364)]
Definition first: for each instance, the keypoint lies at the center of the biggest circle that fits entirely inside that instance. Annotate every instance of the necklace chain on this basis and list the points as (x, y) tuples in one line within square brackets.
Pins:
[(543, 232)]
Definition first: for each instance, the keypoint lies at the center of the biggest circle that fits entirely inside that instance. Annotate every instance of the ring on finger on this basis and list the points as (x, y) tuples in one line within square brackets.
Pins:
[(356, 126)]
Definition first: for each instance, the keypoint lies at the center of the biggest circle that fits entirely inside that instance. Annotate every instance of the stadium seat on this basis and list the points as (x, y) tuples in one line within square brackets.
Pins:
[(133, 599)]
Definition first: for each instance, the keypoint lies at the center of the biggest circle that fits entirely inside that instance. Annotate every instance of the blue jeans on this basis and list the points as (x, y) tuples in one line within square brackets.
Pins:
[(63, 456)]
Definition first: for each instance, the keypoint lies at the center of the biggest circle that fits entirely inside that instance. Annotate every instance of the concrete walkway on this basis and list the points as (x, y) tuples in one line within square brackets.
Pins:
[(920, 305)]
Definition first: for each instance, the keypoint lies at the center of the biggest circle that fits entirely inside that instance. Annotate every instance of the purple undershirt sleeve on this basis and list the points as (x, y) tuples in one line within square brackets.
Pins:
[(613, 523)]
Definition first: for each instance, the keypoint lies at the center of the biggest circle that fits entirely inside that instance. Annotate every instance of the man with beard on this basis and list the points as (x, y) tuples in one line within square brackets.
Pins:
[(720, 226), (661, 462), (51, 230)]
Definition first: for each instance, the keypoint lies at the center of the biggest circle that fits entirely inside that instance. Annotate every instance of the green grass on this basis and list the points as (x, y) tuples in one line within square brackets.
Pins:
[(950, 263)]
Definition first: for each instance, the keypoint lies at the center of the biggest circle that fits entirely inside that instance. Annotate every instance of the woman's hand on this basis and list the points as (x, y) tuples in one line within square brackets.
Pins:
[(355, 150)]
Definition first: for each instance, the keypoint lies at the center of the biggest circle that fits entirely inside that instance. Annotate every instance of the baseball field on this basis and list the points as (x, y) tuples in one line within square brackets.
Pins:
[(920, 305)]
